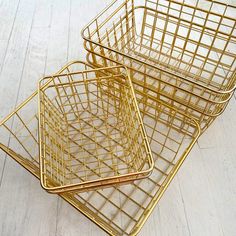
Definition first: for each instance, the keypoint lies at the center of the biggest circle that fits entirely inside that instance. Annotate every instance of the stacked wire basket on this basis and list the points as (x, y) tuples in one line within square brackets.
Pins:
[(110, 134)]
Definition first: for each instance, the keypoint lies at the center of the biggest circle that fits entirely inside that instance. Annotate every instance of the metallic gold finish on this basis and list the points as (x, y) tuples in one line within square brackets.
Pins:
[(185, 50), (140, 84), (120, 210), (91, 132), (182, 59)]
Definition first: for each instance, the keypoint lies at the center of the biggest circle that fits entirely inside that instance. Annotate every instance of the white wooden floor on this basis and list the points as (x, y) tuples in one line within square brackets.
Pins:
[(37, 37)]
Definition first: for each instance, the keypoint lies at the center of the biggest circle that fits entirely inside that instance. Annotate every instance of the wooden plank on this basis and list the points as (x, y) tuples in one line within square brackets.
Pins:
[(36, 59), (58, 38), (198, 197), (24, 205), (78, 21), (71, 222), (170, 211), (25, 209), (220, 165), (8, 12), (13, 58), (222, 132)]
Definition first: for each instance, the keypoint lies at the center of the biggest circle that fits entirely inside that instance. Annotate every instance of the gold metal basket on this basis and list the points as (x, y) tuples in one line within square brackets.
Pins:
[(120, 210), (184, 49), (146, 83), (91, 131)]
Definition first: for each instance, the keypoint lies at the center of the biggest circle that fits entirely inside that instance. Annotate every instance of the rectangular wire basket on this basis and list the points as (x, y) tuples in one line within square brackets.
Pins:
[(118, 210), (91, 131), (143, 82), (188, 48)]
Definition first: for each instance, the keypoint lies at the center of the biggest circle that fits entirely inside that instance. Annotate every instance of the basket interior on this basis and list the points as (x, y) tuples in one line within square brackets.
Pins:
[(203, 111), (120, 209), (90, 129), (196, 41)]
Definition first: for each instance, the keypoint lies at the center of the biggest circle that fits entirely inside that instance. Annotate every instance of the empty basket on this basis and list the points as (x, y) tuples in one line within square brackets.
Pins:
[(187, 50), (119, 210), (91, 131)]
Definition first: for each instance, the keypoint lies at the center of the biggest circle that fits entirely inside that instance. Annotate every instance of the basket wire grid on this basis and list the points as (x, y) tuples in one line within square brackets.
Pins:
[(120, 210), (143, 82), (188, 47), (91, 131)]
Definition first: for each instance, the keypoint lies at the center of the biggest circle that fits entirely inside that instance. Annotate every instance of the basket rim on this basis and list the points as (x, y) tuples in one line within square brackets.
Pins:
[(151, 76), (73, 200), (86, 38), (89, 185)]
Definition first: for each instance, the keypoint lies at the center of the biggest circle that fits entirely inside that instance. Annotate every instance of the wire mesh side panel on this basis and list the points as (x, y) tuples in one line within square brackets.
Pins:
[(204, 112), (91, 130), (194, 38), (123, 208), (168, 144), (176, 43), (19, 135), (118, 210)]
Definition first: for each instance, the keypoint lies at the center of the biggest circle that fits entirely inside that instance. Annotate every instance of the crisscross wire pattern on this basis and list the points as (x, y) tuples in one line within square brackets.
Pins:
[(120, 210), (91, 132), (188, 47)]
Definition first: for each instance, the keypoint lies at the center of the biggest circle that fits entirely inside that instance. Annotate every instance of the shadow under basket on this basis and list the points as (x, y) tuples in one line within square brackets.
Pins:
[(91, 131), (119, 210)]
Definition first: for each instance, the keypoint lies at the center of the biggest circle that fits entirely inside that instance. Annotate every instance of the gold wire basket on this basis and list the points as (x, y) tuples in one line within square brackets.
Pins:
[(91, 131), (187, 49), (120, 210), (146, 83)]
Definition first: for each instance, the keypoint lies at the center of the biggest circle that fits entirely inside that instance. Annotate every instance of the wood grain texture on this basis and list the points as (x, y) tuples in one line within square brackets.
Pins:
[(17, 183), (37, 37), (19, 17)]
